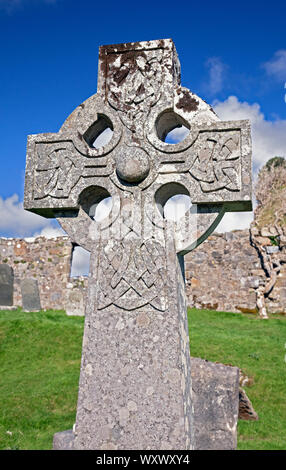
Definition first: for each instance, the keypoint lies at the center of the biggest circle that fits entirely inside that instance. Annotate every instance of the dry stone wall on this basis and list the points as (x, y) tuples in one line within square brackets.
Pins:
[(225, 273)]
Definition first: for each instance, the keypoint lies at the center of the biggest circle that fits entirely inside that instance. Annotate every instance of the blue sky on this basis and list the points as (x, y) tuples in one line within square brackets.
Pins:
[(232, 54)]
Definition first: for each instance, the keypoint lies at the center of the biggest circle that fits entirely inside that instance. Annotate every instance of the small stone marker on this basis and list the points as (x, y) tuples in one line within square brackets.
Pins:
[(216, 404), (135, 380), (30, 295), (6, 285), (75, 302)]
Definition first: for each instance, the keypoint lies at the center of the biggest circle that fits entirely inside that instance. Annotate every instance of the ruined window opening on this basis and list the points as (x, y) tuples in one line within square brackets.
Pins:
[(80, 260)]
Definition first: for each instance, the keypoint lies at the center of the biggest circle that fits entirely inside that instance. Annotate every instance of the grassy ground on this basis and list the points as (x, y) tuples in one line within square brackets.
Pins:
[(40, 361), (39, 368), (257, 347)]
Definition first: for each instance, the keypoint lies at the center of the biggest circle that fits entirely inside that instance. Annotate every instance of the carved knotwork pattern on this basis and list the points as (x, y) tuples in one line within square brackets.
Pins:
[(60, 166), (58, 172), (131, 275), (134, 85), (217, 163)]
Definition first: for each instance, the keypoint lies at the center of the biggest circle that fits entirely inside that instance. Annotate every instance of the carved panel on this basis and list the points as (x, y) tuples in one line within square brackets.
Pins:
[(59, 166), (134, 81), (58, 169), (217, 163), (131, 275)]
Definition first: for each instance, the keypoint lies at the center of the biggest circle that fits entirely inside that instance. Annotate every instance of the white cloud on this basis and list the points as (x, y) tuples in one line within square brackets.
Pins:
[(217, 70), (276, 67), (234, 221), (268, 140), (15, 221), (50, 232), (268, 137), (101, 210), (177, 135), (177, 206)]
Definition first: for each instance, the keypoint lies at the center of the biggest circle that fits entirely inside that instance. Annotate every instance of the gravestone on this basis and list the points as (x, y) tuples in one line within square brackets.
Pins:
[(215, 390), (30, 295), (135, 379), (74, 304), (6, 285)]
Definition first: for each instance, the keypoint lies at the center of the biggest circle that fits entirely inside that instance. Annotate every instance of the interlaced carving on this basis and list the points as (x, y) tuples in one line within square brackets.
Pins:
[(58, 172), (60, 166), (132, 275), (217, 164)]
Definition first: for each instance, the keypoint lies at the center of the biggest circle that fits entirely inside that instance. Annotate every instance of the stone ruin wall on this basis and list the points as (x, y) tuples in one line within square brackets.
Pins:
[(48, 261), (224, 273)]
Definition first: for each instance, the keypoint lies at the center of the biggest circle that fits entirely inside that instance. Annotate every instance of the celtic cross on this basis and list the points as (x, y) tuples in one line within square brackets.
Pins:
[(135, 382)]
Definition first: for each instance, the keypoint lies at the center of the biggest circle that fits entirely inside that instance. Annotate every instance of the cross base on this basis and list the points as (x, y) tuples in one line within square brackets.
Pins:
[(215, 426)]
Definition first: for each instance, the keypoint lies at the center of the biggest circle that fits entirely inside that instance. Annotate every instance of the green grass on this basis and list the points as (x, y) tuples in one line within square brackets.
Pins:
[(257, 347), (40, 362)]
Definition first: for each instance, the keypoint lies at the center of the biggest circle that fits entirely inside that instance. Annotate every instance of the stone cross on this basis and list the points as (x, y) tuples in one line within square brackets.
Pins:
[(135, 381)]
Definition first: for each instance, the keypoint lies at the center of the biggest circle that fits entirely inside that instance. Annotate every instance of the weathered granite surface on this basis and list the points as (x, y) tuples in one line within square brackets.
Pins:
[(216, 404), (135, 381), (216, 401)]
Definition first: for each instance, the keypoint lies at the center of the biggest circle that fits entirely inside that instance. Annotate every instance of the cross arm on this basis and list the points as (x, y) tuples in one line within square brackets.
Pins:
[(217, 164)]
